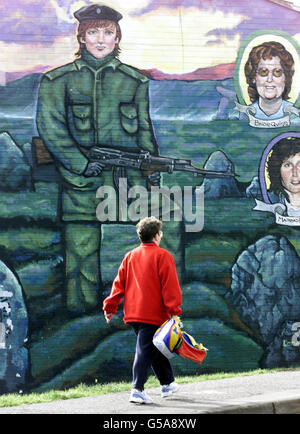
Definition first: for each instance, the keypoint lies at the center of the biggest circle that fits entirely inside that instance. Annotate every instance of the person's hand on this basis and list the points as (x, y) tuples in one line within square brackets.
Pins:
[(94, 168), (108, 316), (154, 179)]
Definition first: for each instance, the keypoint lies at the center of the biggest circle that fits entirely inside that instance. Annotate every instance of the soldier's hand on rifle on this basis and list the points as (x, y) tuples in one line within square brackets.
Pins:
[(154, 179), (94, 168)]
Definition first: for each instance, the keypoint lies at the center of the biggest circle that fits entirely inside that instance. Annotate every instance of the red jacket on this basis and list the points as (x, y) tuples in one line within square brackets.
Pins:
[(148, 281)]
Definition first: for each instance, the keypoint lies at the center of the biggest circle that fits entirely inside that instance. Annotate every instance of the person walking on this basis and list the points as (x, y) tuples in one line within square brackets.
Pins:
[(148, 282)]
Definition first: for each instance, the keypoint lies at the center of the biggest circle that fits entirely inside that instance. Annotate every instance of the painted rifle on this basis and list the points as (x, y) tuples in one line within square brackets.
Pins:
[(149, 163)]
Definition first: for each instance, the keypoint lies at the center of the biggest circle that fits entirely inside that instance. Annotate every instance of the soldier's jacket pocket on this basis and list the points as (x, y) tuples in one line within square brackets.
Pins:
[(129, 117), (82, 116)]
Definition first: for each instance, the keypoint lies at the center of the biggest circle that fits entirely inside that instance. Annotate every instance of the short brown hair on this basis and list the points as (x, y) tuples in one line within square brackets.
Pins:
[(147, 228), (85, 25), (267, 50)]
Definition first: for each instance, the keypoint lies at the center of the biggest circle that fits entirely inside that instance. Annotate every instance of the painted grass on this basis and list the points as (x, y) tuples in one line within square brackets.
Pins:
[(83, 390)]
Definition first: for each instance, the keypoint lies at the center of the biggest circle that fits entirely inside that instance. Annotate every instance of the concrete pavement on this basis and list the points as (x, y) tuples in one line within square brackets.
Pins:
[(271, 393)]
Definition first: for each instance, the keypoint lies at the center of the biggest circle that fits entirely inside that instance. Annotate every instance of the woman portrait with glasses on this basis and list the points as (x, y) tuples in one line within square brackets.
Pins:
[(269, 71)]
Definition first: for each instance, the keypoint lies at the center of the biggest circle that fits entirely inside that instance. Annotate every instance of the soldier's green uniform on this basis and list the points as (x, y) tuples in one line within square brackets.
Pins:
[(85, 103)]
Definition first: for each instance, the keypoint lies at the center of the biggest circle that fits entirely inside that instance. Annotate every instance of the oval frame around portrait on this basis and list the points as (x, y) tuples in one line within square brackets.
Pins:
[(263, 160), (255, 39)]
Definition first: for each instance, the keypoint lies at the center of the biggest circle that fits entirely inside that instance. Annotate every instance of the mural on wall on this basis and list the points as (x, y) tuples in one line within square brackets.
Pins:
[(179, 88)]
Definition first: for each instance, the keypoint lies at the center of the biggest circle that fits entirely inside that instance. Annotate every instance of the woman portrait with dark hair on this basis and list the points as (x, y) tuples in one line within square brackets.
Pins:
[(94, 100), (269, 71), (283, 168)]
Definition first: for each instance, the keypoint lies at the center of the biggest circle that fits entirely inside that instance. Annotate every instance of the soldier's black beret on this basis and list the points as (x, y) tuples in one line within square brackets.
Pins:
[(97, 12)]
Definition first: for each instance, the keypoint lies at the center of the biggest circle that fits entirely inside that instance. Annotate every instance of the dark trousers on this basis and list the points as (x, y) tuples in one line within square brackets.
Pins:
[(147, 355)]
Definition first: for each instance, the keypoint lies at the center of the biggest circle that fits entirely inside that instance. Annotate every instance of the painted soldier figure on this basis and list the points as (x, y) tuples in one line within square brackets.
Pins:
[(95, 100)]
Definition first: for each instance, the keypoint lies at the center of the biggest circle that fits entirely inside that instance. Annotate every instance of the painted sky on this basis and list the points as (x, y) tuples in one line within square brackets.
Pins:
[(170, 35)]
